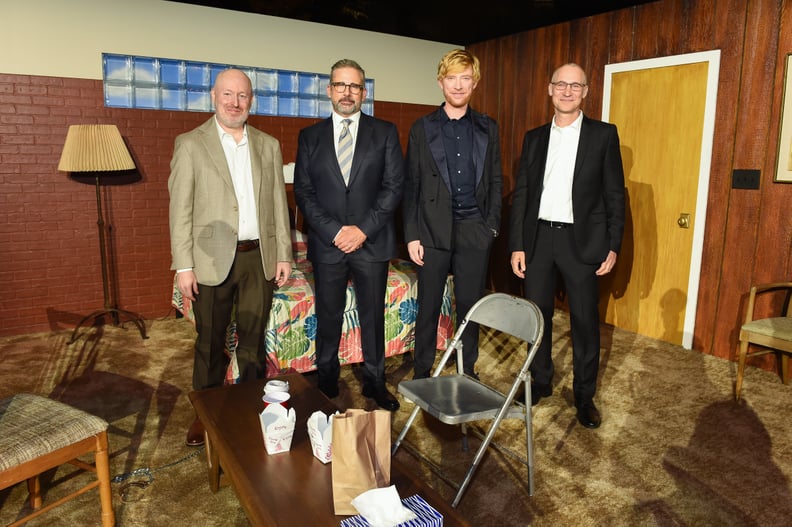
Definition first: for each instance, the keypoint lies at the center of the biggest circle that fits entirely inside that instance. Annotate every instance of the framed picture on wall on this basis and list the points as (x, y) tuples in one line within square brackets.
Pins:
[(784, 160)]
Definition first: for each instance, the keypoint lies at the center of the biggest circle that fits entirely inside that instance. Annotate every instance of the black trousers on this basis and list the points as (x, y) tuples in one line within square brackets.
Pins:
[(555, 251), (247, 293), (467, 261), (369, 280)]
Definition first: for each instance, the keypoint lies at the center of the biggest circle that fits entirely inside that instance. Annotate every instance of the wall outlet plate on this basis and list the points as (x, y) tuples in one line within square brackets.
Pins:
[(746, 179)]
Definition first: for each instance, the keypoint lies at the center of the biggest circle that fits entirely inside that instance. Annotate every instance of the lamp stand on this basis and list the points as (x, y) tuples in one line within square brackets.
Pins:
[(109, 308)]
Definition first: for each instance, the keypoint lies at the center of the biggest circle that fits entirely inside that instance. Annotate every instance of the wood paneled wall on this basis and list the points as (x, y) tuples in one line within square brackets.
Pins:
[(748, 237)]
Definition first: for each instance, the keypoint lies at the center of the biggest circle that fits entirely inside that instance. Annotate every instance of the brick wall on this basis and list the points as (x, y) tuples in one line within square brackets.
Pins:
[(50, 272)]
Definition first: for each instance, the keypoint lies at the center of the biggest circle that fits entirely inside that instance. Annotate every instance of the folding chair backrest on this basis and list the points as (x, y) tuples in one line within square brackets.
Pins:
[(509, 314)]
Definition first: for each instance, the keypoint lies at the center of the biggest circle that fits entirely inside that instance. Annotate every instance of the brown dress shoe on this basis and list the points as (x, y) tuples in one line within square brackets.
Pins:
[(195, 435)]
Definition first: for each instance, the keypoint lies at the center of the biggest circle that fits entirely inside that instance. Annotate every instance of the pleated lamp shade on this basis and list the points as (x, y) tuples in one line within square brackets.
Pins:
[(94, 148)]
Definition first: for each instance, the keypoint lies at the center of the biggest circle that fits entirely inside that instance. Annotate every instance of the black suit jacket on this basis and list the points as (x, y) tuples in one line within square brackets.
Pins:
[(597, 192), (427, 189), (370, 199)]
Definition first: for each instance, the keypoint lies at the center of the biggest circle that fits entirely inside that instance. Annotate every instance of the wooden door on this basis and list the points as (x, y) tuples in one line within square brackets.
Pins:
[(661, 108)]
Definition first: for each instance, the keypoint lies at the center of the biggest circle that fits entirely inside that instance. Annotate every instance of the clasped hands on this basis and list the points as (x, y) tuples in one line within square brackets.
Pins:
[(349, 239)]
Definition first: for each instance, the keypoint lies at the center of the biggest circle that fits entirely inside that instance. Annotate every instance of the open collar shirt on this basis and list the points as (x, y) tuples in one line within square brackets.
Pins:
[(556, 201), (238, 158)]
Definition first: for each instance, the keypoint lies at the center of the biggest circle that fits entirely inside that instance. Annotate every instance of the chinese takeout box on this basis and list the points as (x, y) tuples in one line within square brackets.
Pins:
[(320, 430), (277, 427)]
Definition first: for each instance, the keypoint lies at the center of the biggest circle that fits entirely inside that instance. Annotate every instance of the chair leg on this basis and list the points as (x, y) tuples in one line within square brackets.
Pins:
[(529, 445), (407, 426), (785, 367), (477, 459), (34, 490), (740, 369), (103, 475)]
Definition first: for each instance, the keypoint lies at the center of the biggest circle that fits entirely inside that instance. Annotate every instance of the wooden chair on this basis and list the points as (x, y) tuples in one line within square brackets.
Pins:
[(773, 335), (38, 434)]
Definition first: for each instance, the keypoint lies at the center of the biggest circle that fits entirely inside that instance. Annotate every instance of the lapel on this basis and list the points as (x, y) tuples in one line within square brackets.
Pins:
[(541, 145), (362, 144), (434, 138), (326, 138), (480, 141), (255, 148), (583, 146), (214, 149)]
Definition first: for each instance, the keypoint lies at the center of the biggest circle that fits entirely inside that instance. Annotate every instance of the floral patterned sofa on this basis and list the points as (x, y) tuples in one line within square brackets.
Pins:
[(291, 331)]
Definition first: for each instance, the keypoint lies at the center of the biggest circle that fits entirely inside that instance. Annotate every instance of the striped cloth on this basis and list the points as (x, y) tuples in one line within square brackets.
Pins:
[(427, 515), (345, 150), (31, 426)]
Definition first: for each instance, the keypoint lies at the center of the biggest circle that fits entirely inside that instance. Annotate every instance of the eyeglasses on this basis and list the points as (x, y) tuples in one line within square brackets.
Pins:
[(562, 86), (354, 89)]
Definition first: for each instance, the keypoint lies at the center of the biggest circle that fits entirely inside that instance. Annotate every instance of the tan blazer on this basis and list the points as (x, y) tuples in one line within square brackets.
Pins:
[(204, 216)]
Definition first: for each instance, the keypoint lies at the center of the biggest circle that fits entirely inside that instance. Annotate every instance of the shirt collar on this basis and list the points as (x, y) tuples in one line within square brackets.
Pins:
[(222, 133), (446, 119), (575, 125), (337, 118)]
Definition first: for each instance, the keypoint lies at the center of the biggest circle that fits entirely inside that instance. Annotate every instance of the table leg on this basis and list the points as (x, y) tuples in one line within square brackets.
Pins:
[(213, 463)]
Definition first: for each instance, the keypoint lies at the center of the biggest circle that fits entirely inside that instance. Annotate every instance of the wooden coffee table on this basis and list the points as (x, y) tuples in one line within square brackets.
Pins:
[(290, 488)]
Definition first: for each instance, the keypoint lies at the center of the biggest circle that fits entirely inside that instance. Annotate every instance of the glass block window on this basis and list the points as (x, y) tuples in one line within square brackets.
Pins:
[(172, 84)]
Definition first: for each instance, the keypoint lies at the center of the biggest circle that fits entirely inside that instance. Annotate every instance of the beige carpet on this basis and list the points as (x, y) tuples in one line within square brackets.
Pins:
[(673, 450)]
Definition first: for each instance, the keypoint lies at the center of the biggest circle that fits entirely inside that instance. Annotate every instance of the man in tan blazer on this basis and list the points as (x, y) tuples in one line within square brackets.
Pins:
[(230, 238)]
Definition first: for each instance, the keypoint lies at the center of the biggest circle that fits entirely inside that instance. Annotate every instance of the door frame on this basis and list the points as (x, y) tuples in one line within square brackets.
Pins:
[(699, 222)]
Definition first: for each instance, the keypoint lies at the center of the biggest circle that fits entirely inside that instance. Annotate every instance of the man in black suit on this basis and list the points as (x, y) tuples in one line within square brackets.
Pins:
[(452, 205), (568, 217), (348, 182)]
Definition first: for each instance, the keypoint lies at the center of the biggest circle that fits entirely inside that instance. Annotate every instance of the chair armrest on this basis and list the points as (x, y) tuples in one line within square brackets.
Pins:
[(763, 288)]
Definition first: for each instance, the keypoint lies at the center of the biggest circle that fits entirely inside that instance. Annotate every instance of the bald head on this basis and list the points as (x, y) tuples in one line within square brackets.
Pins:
[(232, 95), (572, 68)]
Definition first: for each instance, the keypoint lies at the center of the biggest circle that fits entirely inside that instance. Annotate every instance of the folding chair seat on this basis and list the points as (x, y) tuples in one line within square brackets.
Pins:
[(459, 398), (38, 434)]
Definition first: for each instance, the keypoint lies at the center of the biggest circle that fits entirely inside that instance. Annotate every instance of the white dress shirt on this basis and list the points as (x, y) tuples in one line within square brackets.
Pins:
[(556, 201), (338, 126), (238, 158)]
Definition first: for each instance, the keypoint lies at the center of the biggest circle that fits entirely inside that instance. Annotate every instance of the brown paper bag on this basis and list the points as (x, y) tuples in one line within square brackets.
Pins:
[(361, 455)]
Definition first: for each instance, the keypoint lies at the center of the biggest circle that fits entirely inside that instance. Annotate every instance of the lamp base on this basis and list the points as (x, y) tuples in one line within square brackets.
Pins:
[(114, 312)]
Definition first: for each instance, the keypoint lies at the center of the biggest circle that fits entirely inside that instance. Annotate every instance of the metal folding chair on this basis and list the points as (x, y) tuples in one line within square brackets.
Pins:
[(459, 399)]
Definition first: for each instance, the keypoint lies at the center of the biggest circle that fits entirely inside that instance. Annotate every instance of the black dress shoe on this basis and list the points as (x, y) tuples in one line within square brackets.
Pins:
[(195, 435), (537, 392), (382, 397), (588, 415), (330, 390), (473, 375), (327, 384)]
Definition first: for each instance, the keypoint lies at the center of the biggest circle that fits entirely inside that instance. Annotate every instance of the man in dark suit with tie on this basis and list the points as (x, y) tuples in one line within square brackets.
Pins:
[(452, 205), (348, 182), (568, 217)]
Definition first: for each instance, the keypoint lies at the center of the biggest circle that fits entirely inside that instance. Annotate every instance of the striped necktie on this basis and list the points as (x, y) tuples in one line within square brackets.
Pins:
[(345, 150)]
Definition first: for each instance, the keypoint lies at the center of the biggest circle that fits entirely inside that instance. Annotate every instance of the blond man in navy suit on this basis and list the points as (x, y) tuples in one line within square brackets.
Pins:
[(567, 217), (230, 236), (350, 225)]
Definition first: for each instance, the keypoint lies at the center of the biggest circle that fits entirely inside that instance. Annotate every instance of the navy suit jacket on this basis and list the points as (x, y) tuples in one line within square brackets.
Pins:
[(428, 216), (370, 199), (597, 192)]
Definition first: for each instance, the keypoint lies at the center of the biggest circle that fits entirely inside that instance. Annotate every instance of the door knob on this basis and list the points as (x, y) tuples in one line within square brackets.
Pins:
[(684, 220)]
